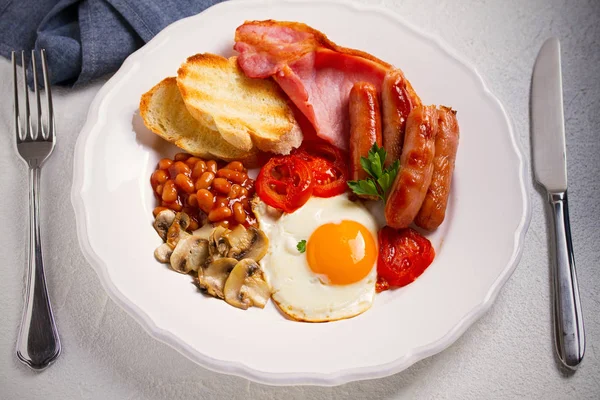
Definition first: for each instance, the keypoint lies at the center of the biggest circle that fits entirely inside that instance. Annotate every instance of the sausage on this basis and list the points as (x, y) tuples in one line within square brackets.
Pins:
[(416, 168), (433, 209), (365, 125), (398, 98)]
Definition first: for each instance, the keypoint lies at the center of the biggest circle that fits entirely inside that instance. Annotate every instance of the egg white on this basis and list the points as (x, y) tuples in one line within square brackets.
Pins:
[(297, 290)]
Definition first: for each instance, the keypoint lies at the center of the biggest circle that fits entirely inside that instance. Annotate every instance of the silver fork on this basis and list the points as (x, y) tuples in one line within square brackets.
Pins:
[(38, 344)]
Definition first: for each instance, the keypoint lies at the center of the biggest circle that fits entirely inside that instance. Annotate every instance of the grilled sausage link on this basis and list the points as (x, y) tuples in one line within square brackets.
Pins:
[(433, 209), (365, 125), (398, 98), (416, 168)]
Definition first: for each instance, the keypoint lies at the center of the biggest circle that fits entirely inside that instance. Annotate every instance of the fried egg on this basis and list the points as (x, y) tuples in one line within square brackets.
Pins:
[(335, 277)]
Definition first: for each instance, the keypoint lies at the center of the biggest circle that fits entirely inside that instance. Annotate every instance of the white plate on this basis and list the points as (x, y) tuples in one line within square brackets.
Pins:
[(485, 226)]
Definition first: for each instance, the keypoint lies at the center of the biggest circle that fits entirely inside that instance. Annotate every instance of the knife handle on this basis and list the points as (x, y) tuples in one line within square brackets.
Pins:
[(568, 320)]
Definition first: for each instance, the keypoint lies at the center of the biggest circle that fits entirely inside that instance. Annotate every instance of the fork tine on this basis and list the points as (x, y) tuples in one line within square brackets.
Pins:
[(39, 132), (48, 96), (16, 97), (26, 91)]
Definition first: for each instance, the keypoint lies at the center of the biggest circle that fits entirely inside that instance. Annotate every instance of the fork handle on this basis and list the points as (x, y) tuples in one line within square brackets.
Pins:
[(38, 344), (568, 320)]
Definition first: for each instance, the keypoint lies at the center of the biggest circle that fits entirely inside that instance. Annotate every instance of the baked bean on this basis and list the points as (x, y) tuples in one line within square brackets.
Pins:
[(233, 176), (192, 161), (239, 213), (192, 200), (185, 183), (165, 163), (205, 200), (211, 165), (236, 166), (181, 156), (205, 180), (224, 224), (159, 190), (219, 214), (221, 201), (169, 193), (243, 192), (239, 177), (160, 176), (158, 210), (221, 185), (198, 169), (246, 203), (225, 173), (175, 206), (179, 167), (235, 191)]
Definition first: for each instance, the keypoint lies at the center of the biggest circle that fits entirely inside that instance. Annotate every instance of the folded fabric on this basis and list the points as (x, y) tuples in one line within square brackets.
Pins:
[(85, 39)]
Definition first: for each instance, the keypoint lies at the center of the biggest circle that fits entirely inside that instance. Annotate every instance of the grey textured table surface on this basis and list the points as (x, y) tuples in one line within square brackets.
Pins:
[(506, 354)]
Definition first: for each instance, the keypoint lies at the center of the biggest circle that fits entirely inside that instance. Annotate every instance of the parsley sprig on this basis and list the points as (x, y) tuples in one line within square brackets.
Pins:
[(380, 179), (301, 246)]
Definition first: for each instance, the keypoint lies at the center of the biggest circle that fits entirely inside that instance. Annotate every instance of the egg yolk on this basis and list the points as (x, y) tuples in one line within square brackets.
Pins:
[(342, 253)]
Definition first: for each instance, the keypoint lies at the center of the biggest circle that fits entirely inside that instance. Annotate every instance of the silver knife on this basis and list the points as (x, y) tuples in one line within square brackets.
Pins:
[(550, 168)]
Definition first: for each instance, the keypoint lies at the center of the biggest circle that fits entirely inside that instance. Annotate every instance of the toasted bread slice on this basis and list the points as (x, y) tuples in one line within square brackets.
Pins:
[(247, 112), (164, 113)]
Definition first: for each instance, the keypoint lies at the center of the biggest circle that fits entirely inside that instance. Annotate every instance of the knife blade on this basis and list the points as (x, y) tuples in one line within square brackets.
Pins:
[(550, 169), (548, 140)]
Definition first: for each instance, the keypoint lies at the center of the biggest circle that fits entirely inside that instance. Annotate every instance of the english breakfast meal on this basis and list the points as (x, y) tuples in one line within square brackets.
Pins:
[(294, 153)]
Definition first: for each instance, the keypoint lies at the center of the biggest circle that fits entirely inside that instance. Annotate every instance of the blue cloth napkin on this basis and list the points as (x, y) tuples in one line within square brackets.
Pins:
[(85, 39)]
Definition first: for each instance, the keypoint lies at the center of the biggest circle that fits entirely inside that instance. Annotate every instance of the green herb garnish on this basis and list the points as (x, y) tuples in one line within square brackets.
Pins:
[(301, 246), (380, 179)]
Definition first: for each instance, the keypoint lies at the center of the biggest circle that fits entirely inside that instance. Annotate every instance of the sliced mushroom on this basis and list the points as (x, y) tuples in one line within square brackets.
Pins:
[(247, 243), (198, 255), (163, 253), (177, 229), (190, 254), (218, 246), (213, 277), (246, 286), (163, 221)]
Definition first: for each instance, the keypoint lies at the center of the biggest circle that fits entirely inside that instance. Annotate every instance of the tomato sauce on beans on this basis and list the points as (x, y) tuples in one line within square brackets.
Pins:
[(206, 190)]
